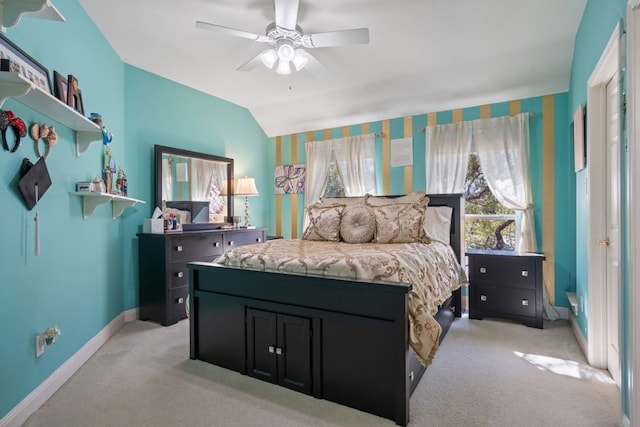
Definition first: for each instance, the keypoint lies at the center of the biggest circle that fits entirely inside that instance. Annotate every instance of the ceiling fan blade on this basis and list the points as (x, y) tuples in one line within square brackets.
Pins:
[(286, 13), (251, 64), (336, 38), (314, 66), (230, 31)]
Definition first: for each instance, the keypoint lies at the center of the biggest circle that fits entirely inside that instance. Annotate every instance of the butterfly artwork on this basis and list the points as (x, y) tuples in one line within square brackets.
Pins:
[(289, 179)]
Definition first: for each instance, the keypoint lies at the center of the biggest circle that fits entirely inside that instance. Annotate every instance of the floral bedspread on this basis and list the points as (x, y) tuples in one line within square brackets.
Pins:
[(431, 268)]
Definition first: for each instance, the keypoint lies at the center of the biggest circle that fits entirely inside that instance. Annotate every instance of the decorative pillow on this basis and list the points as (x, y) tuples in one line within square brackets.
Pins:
[(348, 202), (324, 223), (437, 223), (358, 225), (415, 197), (400, 223)]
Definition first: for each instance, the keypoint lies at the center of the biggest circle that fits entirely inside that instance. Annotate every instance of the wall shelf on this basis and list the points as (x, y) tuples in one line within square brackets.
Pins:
[(11, 11), (91, 200), (12, 85)]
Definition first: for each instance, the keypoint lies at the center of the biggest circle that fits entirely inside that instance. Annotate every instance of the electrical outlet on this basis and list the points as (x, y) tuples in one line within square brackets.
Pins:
[(39, 346), (581, 304)]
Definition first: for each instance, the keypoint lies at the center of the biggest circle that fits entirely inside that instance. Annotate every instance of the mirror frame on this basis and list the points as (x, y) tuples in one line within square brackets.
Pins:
[(160, 150)]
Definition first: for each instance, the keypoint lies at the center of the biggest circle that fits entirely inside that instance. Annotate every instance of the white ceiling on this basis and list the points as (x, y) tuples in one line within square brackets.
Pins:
[(423, 55)]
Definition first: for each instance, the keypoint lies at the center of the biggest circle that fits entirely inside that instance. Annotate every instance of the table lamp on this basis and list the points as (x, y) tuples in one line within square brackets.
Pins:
[(246, 187)]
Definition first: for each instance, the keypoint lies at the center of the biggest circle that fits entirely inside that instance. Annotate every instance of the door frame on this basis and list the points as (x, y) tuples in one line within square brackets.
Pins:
[(604, 70), (633, 210)]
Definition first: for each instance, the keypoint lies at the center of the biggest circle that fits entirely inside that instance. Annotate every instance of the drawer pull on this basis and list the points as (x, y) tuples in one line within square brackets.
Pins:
[(179, 248), (525, 302), (525, 273), (272, 349), (279, 351), (180, 274), (180, 300), (483, 270), (230, 242), (216, 244), (483, 297)]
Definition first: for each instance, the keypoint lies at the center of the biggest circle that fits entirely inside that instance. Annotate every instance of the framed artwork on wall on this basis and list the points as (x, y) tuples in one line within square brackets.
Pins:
[(579, 141), (12, 58), (62, 86)]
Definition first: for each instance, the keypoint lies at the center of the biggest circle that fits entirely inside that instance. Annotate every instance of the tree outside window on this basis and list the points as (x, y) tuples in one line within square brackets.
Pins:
[(488, 224)]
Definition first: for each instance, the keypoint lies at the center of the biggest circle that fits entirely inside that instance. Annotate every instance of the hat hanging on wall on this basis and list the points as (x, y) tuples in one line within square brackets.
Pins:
[(34, 181)]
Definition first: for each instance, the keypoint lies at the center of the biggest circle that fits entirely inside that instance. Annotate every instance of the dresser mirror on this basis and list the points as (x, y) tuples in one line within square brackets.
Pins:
[(198, 185)]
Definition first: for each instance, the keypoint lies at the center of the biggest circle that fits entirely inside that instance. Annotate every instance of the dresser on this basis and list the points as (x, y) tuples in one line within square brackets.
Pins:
[(506, 285), (163, 275)]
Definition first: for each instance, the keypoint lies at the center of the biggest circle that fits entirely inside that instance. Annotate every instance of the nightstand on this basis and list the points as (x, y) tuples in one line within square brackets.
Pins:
[(506, 285)]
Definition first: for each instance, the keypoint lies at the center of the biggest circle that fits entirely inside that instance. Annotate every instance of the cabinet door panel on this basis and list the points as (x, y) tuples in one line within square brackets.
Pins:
[(294, 362), (220, 331), (261, 345)]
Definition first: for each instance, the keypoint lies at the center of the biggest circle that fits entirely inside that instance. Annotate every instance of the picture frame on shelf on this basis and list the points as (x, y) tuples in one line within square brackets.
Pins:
[(74, 95), (61, 86), (16, 60)]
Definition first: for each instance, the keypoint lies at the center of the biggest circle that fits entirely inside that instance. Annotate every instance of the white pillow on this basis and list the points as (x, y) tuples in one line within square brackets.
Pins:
[(437, 223)]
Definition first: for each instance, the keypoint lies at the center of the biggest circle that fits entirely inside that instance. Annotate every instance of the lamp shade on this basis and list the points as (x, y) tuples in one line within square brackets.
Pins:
[(246, 187)]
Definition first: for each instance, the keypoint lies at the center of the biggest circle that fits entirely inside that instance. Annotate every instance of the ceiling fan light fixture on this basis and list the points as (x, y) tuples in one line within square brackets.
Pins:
[(284, 67), (269, 58), (285, 49), (300, 59)]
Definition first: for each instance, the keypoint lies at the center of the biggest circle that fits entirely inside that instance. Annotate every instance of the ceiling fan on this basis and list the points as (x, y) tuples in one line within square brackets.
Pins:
[(288, 41)]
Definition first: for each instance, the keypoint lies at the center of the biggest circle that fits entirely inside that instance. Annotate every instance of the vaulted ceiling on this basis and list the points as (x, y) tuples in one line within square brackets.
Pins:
[(423, 55)]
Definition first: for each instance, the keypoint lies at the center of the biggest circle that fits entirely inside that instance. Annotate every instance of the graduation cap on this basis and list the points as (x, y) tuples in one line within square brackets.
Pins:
[(34, 181)]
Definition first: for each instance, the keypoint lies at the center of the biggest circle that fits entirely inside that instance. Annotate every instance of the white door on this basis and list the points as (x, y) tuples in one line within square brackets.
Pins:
[(613, 227)]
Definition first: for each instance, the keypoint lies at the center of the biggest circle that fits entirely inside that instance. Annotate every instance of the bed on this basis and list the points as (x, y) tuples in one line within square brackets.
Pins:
[(345, 339)]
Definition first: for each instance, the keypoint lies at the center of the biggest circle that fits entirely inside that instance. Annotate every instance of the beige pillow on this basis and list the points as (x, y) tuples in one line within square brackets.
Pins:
[(415, 197), (358, 225), (437, 223), (348, 202), (324, 223), (400, 223)]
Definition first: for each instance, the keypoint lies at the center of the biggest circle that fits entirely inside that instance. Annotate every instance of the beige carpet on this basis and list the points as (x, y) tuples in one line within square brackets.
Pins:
[(486, 373)]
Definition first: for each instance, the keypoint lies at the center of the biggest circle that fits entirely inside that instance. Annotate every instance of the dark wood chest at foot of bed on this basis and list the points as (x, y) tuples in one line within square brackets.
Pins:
[(340, 340)]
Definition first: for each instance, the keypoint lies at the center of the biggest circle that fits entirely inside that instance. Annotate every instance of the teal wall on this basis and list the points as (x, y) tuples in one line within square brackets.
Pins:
[(562, 200), (86, 274), (598, 23)]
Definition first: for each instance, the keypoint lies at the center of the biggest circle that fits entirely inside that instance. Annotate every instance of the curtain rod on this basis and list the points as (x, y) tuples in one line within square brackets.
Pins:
[(531, 114)]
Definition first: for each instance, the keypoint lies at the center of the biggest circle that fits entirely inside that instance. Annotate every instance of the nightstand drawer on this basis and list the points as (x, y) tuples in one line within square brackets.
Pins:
[(498, 299), (503, 271), (187, 248)]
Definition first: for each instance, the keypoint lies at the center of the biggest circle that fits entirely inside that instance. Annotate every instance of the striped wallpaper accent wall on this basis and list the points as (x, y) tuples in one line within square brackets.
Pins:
[(391, 180)]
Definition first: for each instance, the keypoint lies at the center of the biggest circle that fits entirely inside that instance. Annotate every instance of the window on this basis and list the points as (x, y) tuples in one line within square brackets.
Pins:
[(334, 186), (488, 224)]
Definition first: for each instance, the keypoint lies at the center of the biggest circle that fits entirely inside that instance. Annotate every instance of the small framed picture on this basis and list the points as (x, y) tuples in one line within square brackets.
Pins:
[(14, 59), (61, 85), (74, 95)]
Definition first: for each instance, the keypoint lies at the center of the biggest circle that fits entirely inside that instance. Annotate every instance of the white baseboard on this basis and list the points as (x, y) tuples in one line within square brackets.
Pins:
[(23, 410), (130, 315), (582, 341)]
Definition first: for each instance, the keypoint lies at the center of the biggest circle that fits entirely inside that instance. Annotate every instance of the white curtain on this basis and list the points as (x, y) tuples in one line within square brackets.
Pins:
[(447, 157), (202, 172), (355, 160), (502, 145), (167, 181), (319, 155)]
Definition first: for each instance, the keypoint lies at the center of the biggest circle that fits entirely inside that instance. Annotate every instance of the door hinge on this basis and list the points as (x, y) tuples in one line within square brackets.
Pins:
[(623, 105)]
